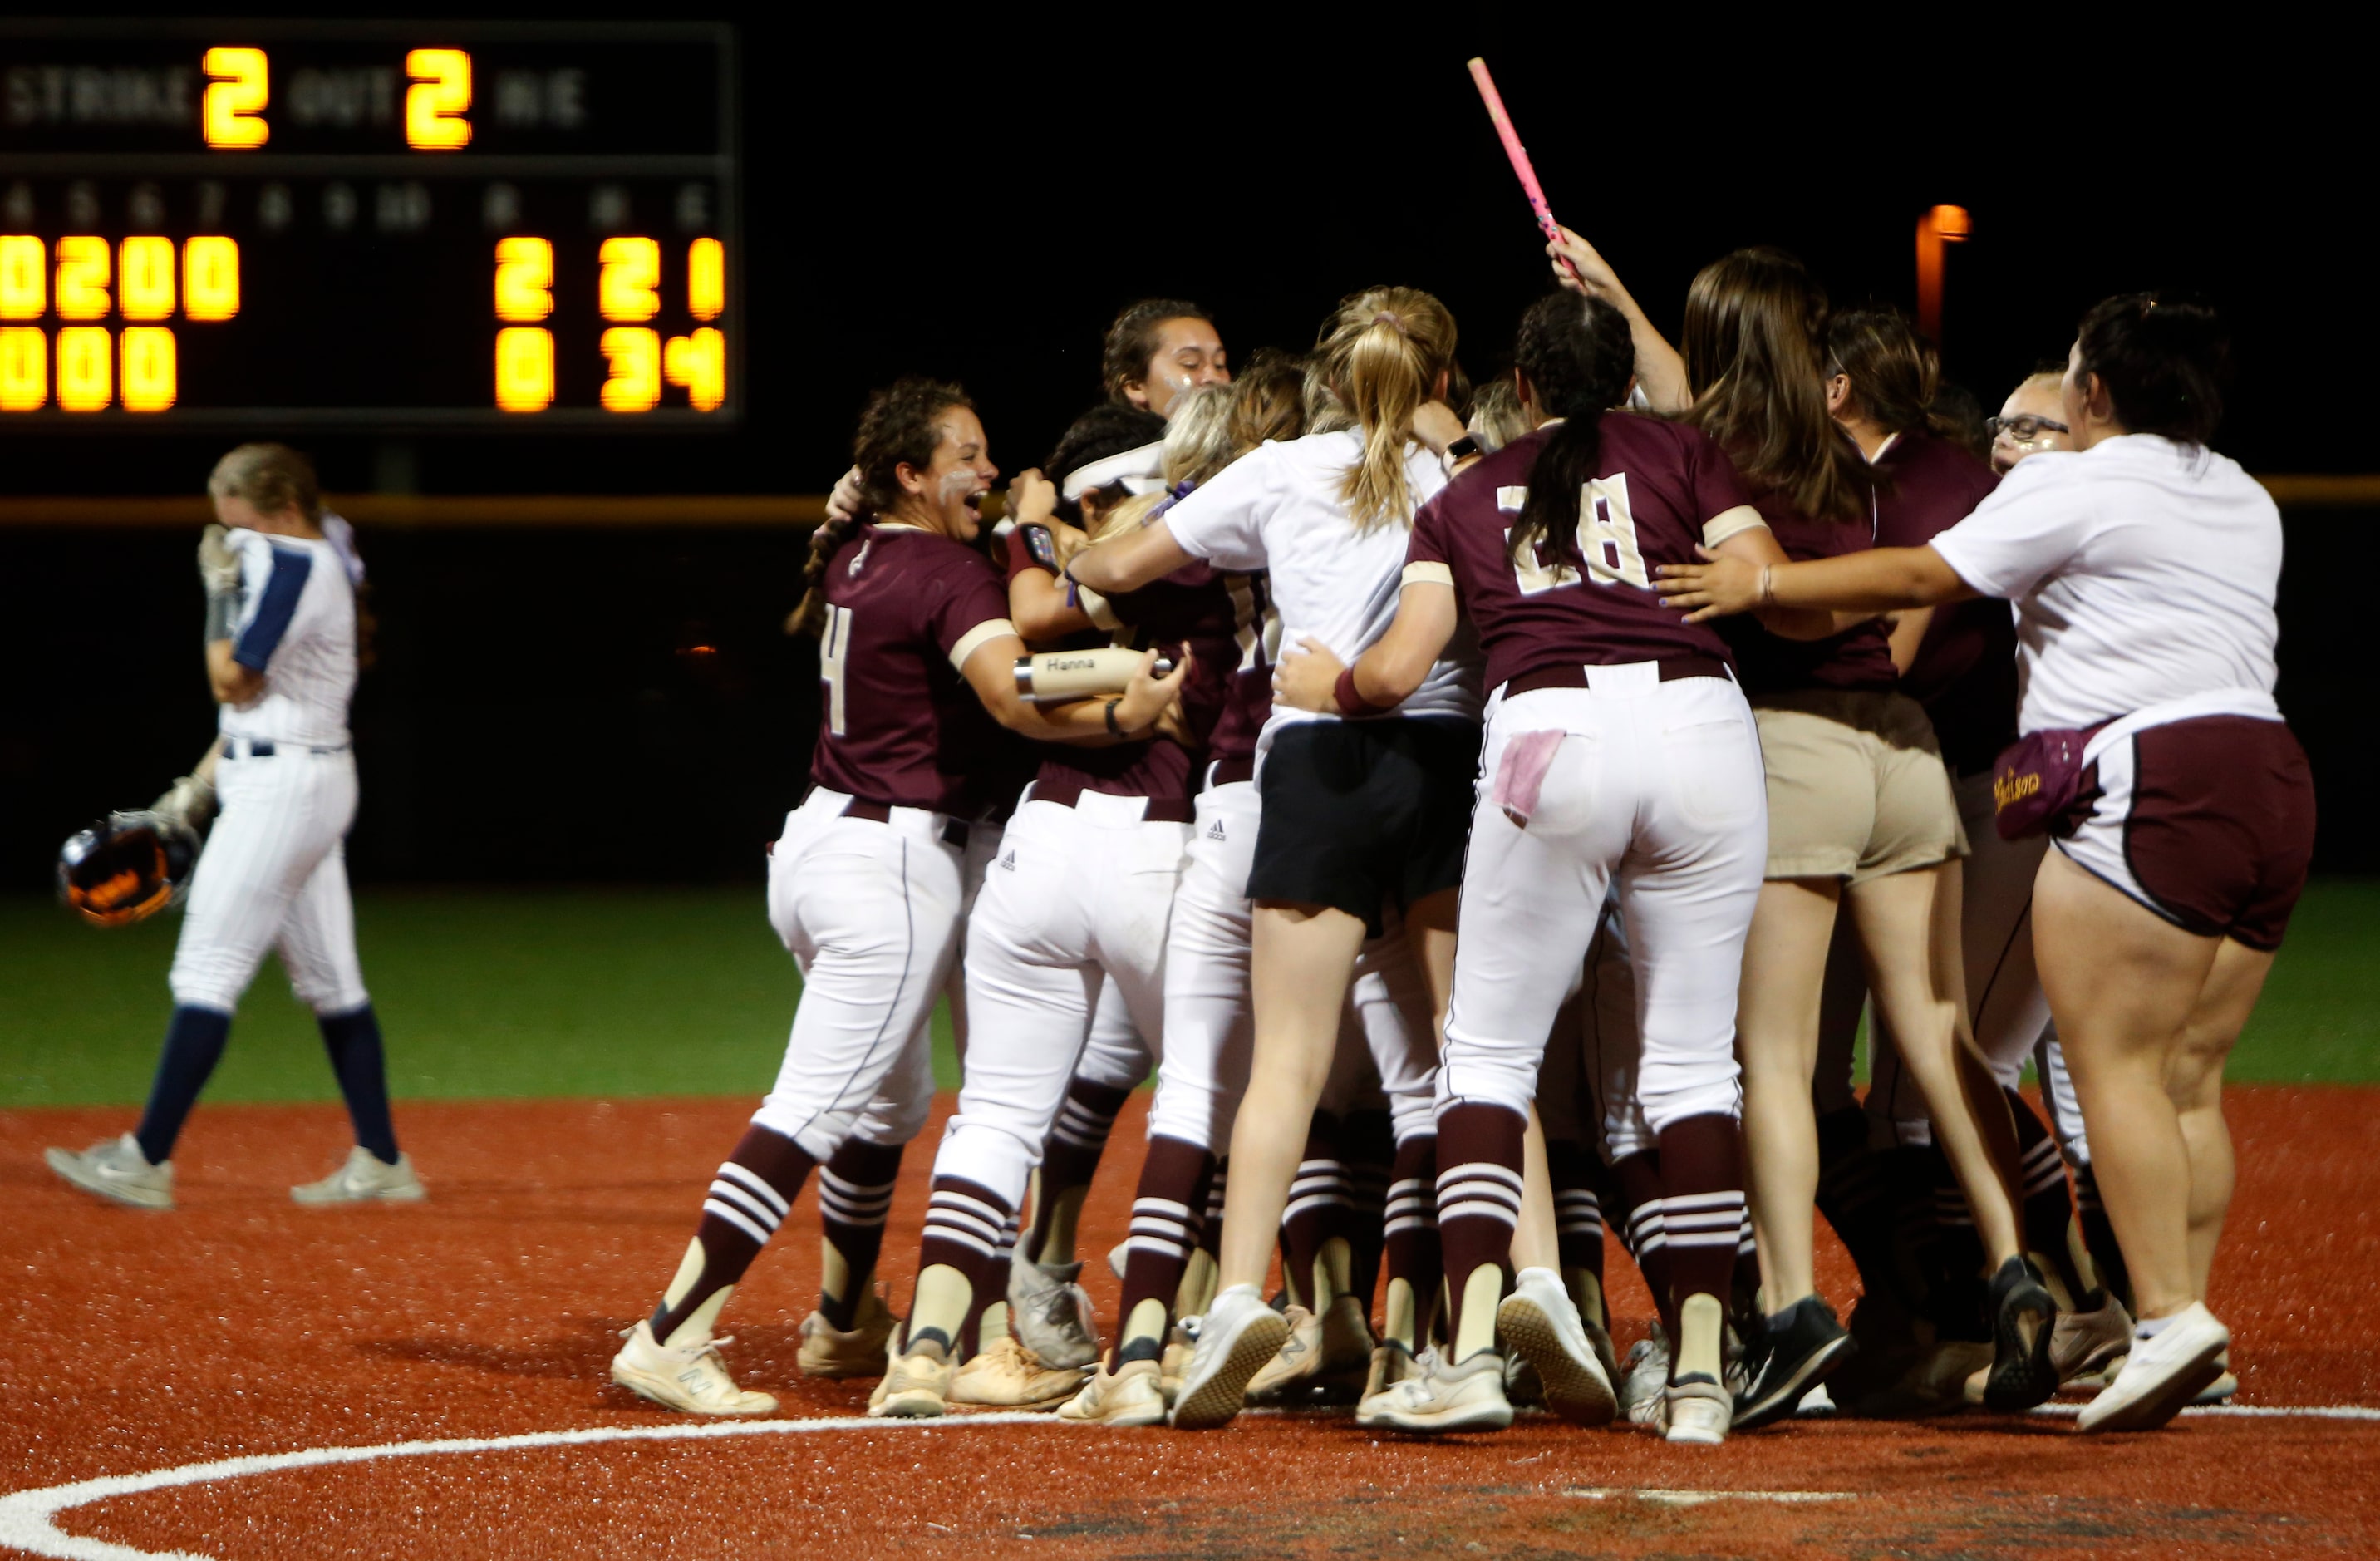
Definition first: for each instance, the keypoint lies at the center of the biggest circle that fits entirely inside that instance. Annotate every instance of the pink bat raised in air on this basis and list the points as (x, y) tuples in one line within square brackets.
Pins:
[(1518, 153)]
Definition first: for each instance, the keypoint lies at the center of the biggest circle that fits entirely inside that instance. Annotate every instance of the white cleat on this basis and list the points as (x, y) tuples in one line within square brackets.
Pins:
[(914, 1386), (2083, 1345), (1815, 1405), (1132, 1397), (116, 1170), (1539, 1323), (2161, 1375), (1433, 1398), (691, 1379), (1050, 1312), (1323, 1354), (1010, 1376), (827, 1351), (1644, 1378), (1237, 1336), (364, 1179), (1698, 1411)]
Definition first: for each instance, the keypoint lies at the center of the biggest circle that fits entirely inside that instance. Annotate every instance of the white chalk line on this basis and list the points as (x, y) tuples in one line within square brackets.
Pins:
[(27, 1518)]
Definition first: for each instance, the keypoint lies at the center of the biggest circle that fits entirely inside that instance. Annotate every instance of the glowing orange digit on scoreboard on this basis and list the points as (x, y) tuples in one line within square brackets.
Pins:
[(86, 373), (440, 96), (83, 266), (24, 277), (149, 377), (706, 278), (629, 288), (634, 384), (145, 265), (232, 113), (524, 279), (700, 363), (24, 369), (524, 369), (211, 277)]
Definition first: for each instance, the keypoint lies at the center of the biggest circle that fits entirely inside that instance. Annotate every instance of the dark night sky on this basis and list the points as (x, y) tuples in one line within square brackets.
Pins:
[(972, 194)]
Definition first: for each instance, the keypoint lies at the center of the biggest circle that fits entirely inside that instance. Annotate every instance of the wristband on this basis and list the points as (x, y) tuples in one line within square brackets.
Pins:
[(1113, 729), (223, 613), (1768, 585), (1351, 702)]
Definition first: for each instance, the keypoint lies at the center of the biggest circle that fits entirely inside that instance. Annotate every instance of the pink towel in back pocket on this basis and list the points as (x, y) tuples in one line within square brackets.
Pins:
[(1522, 773)]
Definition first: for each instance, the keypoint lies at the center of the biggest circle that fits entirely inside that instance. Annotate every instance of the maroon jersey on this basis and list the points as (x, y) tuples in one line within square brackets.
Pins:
[(1965, 670), (1192, 608), (897, 723), (1592, 603), (1247, 703), (1857, 658)]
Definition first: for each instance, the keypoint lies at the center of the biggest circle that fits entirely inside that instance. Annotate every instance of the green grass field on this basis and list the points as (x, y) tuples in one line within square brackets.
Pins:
[(651, 991)]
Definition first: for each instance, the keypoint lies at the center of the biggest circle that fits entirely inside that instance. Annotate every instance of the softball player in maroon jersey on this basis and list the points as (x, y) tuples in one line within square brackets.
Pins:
[(1618, 748), (2144, 569), (866, 886)]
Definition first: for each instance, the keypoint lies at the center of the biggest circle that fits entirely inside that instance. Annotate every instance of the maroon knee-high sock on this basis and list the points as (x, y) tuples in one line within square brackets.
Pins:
[(1642, 1229), (1210, 1229), (2049, 1204), (855, 1195), (1702, 1204), (1578, 1206), (1410, 1249), (1070, 1156), (1368, 1140), (1479, 1192), (748, 1200), (1318, 1206), (972, 1229), (1167, 1209)]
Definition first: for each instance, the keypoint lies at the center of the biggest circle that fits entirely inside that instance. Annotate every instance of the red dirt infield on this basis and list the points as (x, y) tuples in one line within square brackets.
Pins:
[(241, 1325)]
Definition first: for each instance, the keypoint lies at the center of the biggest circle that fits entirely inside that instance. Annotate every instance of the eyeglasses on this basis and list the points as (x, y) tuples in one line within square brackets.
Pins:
[(2025, 429)]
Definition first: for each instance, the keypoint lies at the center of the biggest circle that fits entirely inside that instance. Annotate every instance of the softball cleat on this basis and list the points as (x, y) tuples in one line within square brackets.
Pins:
[(1433, 1398), (829, 1351), (1010, 1376), (1133, 1396), (117, 1171), (691, 1379), (1237, 1336), (1540, 1324), (2162, 1374), (365, 1179)]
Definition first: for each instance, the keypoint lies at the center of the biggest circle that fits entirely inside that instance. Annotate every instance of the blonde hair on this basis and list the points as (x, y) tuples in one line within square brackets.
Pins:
[(1382, 354), (1197, 435), (1325, 413), (1497, 416), (272, 478)]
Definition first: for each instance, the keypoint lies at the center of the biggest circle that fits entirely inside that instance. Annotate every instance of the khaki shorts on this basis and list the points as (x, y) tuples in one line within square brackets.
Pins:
[(1856, 786)]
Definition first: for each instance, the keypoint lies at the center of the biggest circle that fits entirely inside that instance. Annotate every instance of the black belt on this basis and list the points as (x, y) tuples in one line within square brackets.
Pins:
[(955, 832), (1157, 809), (1674, 669), (1231, 772)]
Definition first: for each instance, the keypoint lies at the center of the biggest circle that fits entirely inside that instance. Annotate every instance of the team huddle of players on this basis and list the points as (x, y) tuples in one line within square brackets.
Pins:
[(1538, 781)]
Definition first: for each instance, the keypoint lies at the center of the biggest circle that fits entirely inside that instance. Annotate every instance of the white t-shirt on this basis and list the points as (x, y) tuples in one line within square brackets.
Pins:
[(1278, 508), (296, 625), (2143, 572)]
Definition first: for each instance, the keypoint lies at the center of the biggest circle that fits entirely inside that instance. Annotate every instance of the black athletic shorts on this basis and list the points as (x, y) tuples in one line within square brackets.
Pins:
[(1360, 814)]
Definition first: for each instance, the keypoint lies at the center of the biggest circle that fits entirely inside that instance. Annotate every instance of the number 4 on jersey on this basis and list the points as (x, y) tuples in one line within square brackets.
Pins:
[(833, 647), (1606, 540)]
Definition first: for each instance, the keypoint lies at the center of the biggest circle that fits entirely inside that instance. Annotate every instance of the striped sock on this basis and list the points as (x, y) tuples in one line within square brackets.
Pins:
[(1320, 1200), (970, 1230), (747, 1199), (1478, 1204), (1410, 1248), (1702, 1206), (1070, 1158), (855, 1195), (2048, 1205), (1165, 1217), (1642, 1229)]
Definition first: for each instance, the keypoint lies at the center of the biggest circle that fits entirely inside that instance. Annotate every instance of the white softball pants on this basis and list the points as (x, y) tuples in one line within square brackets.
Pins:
[(1657, 785), (275, 875), (872, 914), (1079, 899)]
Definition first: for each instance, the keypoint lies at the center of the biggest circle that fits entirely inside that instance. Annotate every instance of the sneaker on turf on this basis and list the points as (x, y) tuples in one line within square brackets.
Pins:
[(917, 1385), (1539, 1323), (2161, 1375), (1238, 1334), (1133, 1396), (2024, 1323), (1798, 1346), (1325, 1357), (1643, 1378), (1431, 1398), (1050, 1312), (117, 1171), (2087, 1341), (691, 1378), (1816, 1405), (829, 1351), (1696, 1411), (365, 1179), (2221, 1389), (1010, 1376)]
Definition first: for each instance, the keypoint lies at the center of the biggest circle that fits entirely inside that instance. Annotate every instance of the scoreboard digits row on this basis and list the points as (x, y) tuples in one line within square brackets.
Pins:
[(347, 224)]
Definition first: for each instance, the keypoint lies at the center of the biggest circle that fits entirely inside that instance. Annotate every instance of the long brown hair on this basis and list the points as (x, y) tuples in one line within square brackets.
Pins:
[(1382, 352), (900, 427), (1755, 351), (1895, 373)]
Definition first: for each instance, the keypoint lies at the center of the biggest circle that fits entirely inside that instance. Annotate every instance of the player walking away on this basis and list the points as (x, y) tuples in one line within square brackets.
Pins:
[(2144, 567), (1357, 815), (867, 884), (1159, 348), (1617, 751), (1079, 902), (280, 660)]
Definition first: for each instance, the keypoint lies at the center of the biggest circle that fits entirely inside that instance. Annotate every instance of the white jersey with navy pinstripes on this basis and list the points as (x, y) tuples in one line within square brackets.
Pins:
[(297, 627)]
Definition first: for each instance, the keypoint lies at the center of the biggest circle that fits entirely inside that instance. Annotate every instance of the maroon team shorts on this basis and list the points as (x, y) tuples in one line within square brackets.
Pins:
[(2208, 822)]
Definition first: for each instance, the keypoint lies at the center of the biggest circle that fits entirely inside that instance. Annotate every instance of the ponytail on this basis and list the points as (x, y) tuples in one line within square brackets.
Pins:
[(1578, 356), (809, 617), (900, 426), (1382, 354)]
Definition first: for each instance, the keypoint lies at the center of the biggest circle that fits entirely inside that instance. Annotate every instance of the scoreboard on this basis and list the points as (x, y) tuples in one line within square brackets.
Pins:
[(391, 226)]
